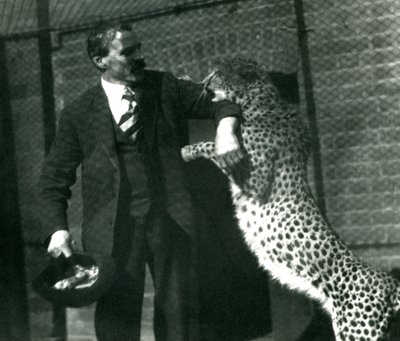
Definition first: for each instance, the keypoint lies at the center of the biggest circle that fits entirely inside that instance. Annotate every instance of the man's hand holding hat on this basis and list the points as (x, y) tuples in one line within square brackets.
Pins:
[(61, 242)]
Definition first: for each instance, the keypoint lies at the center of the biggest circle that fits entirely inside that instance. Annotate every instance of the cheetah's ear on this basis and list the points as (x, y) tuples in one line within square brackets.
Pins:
[(206, 81)]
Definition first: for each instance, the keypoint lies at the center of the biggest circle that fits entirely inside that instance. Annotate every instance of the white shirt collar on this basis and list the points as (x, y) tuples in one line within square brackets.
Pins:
[(113, 91)]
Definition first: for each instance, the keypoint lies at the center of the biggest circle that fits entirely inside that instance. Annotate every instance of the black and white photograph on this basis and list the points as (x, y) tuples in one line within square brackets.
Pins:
[(200, 170)]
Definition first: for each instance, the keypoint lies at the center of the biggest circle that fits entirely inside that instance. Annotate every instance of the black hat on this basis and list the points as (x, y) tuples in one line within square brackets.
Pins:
[(75, 281)]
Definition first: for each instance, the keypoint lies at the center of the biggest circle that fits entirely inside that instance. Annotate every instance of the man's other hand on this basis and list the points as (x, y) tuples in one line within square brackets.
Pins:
[(61, 242)]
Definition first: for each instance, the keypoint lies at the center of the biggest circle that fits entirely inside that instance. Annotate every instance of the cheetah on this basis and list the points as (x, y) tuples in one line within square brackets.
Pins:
[(279, 217)]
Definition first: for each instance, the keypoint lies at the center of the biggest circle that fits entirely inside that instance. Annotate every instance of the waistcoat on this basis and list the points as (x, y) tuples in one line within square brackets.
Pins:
[(137, 183)]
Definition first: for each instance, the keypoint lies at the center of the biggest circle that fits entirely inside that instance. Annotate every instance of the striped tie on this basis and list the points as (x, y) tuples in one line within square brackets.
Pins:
[(129, 122)]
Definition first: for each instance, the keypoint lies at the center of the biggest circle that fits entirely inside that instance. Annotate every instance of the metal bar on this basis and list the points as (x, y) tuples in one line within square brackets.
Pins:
[(319, 317), (14, 322), (49, 118), (46, 74), (310, 104), (172, 10)]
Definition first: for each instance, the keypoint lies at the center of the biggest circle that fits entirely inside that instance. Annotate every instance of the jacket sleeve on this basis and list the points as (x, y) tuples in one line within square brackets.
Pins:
[(196, 103), (58, 175)]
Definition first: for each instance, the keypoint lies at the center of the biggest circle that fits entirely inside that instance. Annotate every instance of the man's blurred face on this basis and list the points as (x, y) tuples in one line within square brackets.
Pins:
[(125, 62)]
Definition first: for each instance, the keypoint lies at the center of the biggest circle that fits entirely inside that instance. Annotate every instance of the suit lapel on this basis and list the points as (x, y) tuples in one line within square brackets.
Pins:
[(103, 125)]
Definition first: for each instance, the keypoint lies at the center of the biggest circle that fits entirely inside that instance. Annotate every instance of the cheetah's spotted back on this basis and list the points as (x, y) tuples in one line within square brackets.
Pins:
[(279, 218)]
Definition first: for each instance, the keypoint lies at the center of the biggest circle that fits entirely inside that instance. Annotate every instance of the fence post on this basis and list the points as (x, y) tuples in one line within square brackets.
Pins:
[(310, 104), (320, 323), (46, 73), (49, 123)]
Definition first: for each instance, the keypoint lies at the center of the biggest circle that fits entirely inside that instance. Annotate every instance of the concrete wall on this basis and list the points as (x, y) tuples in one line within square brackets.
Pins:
[(354, 50)]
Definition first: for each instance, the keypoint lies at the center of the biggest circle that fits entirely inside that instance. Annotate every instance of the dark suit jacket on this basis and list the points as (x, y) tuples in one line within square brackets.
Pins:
[(85, 136)]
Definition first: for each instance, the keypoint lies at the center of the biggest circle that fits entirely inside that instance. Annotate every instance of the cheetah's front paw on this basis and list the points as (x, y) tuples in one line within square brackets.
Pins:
[(187, 153)]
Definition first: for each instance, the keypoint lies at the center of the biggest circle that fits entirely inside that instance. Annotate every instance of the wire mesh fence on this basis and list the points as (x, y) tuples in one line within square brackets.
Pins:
[(344, 54)]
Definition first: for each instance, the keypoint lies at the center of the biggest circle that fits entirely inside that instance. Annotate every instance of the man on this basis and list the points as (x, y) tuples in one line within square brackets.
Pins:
[(127, 132)]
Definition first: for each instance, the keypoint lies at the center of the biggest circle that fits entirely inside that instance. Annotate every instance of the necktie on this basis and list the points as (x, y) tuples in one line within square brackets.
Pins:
[(129, 122)]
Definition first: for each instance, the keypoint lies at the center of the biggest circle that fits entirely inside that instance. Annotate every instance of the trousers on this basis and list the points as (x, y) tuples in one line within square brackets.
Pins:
[(158, 242)]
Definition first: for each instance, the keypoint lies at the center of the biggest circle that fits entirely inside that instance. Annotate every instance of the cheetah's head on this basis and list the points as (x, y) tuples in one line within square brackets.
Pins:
[(233, 78)]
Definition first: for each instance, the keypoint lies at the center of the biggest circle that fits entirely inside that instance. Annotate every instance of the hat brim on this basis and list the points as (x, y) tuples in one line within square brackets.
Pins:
[(43, 284)]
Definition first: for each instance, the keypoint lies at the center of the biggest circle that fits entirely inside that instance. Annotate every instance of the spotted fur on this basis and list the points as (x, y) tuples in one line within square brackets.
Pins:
[(279, 218)]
